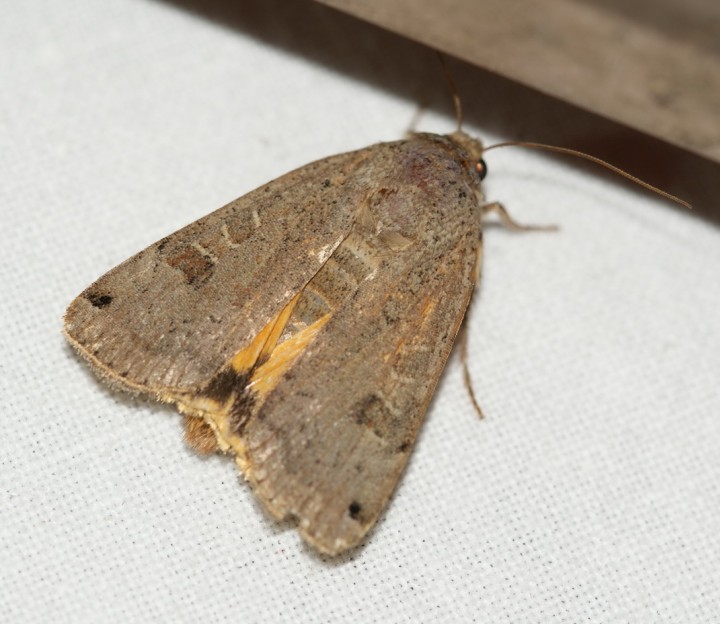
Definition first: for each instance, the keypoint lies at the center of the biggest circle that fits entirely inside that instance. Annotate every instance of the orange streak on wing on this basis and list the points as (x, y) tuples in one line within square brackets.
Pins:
[(263, 344), (428, 307), (268, 375)]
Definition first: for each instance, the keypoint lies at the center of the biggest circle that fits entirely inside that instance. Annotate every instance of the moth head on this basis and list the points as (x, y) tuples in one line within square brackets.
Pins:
[(474, 149)]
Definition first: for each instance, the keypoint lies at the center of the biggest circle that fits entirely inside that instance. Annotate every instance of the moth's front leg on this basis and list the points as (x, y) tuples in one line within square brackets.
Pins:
[(510, 223)]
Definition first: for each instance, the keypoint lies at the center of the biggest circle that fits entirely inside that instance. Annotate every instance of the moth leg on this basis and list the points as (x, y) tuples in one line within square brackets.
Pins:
[(510, 223), (466, 371)]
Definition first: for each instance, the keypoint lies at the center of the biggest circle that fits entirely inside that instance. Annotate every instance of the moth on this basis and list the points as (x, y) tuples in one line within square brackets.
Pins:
[(303, 327)]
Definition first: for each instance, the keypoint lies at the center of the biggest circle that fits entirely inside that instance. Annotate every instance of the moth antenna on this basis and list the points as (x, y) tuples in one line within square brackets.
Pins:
[(597, 161), (466, 371), (453, 90)]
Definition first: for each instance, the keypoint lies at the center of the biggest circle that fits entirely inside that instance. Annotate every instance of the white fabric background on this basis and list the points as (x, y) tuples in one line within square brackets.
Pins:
[(589, 493)]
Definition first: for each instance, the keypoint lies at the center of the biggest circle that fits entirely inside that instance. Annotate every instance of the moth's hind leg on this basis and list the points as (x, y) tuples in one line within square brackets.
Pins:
[(511, 224)]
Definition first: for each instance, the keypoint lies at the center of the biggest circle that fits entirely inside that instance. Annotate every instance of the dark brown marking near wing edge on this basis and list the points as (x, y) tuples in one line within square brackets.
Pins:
[(354, 511), (161, 244), (99, 301), (196, 267)]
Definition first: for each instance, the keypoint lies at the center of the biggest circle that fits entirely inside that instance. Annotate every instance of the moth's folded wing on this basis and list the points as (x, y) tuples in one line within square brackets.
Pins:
[(329, 443), (171, 316)]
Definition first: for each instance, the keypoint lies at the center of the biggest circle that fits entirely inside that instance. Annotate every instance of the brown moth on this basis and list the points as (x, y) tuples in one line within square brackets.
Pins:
[(304, 326)]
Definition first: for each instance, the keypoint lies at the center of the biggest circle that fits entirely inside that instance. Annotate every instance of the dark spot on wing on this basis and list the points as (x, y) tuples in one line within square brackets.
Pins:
[(354, 510), (226, 383), (364, 411), (195, 266), (98, 300), (372, 412)]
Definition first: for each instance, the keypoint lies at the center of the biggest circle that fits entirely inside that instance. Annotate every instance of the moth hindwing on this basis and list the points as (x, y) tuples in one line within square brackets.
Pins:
[(304, 326)]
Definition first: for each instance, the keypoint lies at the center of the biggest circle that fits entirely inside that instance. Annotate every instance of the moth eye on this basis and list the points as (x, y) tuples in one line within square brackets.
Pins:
[(481, 168)]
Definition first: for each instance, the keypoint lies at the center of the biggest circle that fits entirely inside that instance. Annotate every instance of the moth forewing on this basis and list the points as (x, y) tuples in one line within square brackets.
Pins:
[(306, 324), (170, 317)]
